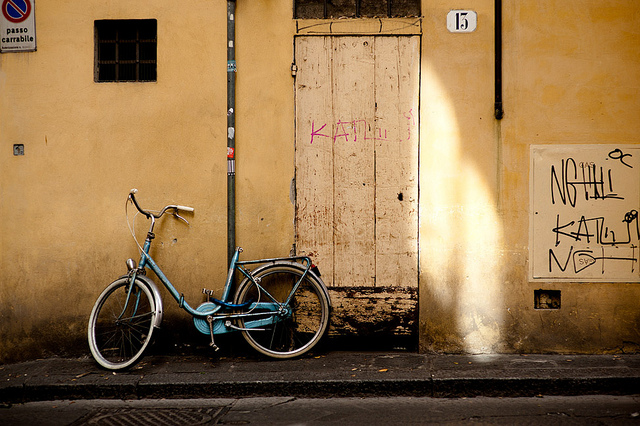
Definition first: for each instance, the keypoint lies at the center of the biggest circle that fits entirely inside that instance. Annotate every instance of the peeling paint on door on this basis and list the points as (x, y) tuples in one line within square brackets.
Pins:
[(357, 158)]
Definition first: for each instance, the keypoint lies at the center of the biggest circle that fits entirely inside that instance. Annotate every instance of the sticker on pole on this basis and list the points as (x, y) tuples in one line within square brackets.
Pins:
[(17, 26)]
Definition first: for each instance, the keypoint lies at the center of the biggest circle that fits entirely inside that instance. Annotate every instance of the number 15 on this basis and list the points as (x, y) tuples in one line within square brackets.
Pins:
[(461, 21)]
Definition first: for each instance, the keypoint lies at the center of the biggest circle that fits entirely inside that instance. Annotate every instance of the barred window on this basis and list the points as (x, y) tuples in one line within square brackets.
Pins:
[(325, 9), (125, 50)]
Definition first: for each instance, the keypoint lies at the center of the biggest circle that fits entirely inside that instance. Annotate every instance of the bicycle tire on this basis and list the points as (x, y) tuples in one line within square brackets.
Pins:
[(307, 318), (118, 344)]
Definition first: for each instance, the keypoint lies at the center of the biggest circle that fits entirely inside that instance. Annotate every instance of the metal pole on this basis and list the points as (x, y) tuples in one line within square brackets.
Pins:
[(231, 130)]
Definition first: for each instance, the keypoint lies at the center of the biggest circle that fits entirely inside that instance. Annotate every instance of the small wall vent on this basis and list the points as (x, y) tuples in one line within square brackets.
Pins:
[(546, 299)]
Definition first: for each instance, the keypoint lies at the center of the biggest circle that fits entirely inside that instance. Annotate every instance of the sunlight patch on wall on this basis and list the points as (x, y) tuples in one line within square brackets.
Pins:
[(460, 230)]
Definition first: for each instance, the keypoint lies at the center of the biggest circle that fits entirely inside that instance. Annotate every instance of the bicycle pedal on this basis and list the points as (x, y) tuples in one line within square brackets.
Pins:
[(212, 344), (207, 292)]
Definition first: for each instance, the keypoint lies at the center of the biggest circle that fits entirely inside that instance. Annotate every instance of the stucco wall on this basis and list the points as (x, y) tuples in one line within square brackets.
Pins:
[(571, 75), (571, 78), (461, 232), (64, 234)]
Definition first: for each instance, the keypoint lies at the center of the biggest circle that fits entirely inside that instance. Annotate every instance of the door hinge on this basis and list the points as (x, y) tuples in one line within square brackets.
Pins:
[(294, 69)]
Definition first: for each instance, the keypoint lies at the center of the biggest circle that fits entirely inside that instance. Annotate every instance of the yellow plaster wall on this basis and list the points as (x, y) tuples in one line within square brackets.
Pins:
[(64, 234), (264, 127), (571, 76), (570, 73), (461, 231)]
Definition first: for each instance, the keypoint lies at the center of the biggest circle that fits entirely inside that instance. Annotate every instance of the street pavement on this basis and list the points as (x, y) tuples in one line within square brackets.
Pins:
[(329, 374), (596, 410)]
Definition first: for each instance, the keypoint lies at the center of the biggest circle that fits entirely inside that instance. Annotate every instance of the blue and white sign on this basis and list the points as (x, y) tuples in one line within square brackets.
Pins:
[(18, 26), (462, 21)]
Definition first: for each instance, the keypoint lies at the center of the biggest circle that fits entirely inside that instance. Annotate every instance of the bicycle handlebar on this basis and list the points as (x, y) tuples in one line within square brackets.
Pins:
[(150, 214)]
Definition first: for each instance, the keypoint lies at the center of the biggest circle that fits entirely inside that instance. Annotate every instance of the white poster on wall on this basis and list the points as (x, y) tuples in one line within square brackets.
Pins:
[(584, 213), (18, 26)]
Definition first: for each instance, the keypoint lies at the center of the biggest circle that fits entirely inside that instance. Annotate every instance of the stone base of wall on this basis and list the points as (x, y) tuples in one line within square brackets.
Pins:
[(369, 311)]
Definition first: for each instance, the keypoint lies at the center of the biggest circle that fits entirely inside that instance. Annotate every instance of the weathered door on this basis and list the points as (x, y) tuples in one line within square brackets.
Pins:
[(357, 157)]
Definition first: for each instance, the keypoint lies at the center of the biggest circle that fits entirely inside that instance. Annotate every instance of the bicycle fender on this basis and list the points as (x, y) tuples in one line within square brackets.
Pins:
[(158, 308), (301, 269)]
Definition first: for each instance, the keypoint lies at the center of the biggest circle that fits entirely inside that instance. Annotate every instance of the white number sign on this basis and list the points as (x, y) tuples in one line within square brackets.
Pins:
[(462, 21)]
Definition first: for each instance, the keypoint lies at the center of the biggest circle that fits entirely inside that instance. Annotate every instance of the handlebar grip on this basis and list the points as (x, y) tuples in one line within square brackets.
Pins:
[(133, 191), (185, 208)]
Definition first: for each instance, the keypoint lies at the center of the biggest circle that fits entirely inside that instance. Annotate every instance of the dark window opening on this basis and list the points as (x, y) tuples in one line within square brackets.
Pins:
[(126, 50), (326, 9)]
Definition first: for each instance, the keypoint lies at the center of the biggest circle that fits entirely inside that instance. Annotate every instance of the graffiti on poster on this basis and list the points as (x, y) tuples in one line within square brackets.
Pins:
[(584, 213)]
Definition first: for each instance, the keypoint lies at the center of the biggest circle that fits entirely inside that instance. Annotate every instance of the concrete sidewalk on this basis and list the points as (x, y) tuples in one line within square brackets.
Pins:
[(333, 374)]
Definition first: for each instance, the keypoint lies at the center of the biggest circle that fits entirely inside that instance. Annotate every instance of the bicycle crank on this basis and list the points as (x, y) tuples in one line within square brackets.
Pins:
[(202, 325)]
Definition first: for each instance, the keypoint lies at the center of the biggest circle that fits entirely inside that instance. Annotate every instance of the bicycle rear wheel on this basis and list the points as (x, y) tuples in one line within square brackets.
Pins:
[(120, 329), (303, 321)]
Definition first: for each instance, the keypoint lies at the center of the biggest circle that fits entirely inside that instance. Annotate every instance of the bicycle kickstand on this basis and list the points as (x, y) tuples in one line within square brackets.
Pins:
[(212, 344)]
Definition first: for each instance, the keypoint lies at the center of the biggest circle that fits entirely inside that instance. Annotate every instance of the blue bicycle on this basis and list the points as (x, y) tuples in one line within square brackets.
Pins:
[(281, 307)]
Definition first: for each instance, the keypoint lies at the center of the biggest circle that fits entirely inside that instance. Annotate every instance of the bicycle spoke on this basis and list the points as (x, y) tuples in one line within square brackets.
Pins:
[(307, 317), (121, 325)]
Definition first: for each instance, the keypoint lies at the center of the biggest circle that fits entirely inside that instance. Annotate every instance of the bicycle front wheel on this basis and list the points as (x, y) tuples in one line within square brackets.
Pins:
[(121, 324), (303, 321)]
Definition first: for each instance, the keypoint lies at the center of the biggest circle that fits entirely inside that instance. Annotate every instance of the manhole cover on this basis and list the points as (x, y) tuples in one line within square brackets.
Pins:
[(150, 416)]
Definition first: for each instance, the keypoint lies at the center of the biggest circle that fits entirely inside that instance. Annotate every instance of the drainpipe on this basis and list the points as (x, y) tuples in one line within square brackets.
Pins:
[(231, 130), (497, 106), (499, 112)]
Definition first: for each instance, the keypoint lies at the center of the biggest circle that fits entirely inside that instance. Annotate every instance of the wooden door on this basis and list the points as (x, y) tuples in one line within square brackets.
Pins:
[(357, 158)]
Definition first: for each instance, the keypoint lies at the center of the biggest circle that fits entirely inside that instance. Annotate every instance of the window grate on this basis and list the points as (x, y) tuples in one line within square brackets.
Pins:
[(126, 50), (327, 9)]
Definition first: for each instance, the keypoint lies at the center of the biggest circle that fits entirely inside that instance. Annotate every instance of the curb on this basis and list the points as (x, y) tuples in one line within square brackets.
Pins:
[(435, 388)]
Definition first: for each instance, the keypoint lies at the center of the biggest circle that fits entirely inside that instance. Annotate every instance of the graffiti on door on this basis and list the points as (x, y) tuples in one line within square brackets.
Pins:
[(360, 129)]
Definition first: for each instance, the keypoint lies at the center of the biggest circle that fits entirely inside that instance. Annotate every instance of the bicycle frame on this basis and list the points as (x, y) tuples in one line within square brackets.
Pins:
[(280, 305), (273, 309)]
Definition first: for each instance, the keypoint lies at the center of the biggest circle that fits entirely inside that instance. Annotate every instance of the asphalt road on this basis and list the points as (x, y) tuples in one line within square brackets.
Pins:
[(548, 410)]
